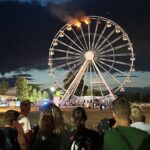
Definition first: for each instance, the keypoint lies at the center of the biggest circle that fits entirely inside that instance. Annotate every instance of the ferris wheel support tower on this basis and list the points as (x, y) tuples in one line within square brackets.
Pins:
[(89, 58)]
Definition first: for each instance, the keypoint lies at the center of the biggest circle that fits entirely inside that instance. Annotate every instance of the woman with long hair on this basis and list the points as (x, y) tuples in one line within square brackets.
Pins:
[(51, 129)]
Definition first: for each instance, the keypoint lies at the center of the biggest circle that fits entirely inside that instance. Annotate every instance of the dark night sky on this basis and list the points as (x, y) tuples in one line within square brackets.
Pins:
[(27, 28)]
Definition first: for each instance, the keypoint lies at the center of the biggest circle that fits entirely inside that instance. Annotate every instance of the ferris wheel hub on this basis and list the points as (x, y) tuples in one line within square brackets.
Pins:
[(89, 55)]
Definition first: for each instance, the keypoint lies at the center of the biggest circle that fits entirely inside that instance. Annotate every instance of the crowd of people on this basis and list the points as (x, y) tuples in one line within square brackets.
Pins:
[(127, 130)]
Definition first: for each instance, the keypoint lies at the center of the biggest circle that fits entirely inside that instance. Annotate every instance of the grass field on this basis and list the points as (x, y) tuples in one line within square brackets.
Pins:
[(94, 116)]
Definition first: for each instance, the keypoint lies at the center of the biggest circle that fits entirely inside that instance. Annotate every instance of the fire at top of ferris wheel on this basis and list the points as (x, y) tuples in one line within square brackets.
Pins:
[(95, 51)]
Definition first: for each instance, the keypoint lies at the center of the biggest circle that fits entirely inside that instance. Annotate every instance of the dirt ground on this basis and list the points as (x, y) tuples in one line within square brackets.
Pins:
[(94, 116)]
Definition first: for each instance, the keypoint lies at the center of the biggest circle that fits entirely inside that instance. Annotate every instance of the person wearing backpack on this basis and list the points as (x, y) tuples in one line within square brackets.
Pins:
[(80, 137), (13, 132)]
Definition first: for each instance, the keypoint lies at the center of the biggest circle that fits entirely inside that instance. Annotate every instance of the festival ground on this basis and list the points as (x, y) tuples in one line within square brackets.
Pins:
[(94, 115)]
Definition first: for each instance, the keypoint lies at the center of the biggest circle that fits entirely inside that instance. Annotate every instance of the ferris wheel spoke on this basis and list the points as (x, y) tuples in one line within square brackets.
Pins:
[(66, 64), (109, 35), (73, 68), (74, 84), (66, 58), (75, 43), (99, 84), (104, 81), (64, 74), (87, 73), (71, 77), (113, 49), (89, 36), (84, 38), (100, 36), (115, 61), (70, 47), (114, 55), (110, 43), (108, 73), (82, 90), (95, 32), (76, 65), (112, 67), (68, 52), (78, 39), (91, 79)]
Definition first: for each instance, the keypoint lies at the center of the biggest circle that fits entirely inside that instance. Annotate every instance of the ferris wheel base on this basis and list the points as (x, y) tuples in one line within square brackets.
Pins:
[(85, 101)]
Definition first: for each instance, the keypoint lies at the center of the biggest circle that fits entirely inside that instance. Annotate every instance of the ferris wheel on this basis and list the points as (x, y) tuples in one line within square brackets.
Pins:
[(95, 50)]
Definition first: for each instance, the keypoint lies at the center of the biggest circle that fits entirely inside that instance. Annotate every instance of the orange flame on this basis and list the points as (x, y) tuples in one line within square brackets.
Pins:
[(77, 23), (86, 20)]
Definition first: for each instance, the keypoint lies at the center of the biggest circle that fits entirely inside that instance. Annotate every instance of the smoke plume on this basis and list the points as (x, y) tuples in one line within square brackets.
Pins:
[(41, 2), (65, 13)]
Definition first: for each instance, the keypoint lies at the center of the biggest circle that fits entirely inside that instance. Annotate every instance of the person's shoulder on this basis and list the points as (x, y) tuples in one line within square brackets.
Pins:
[(139, 131), (8, 129), (91, 132), (110, 132), (147, 126), (22, 118), (1, 132), (69, 133), (2, 139), (141, 125), (114, 131)]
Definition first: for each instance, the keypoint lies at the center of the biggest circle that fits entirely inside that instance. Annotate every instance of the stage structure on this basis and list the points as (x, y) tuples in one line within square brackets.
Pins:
[(94, 49)]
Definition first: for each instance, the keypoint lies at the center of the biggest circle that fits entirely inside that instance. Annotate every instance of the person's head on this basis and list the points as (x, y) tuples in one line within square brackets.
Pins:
[(121, 110), (25, 107), (52, 120), (79, 117), (137, 114), (11, 117)]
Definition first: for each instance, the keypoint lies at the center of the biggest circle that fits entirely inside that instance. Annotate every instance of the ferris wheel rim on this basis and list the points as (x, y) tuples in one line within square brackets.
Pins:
[(113, 23)]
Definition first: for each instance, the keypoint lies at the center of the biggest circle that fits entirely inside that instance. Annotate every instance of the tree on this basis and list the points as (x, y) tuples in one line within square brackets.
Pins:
[(39, 95), (58, 94), (35, 86), (4, 87), (45, 95), (34, 93), (33, 96), (85, 90), (22, 88)]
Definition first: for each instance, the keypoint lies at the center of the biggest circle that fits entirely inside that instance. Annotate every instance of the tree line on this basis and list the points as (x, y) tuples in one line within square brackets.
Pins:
[(24, 90)]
